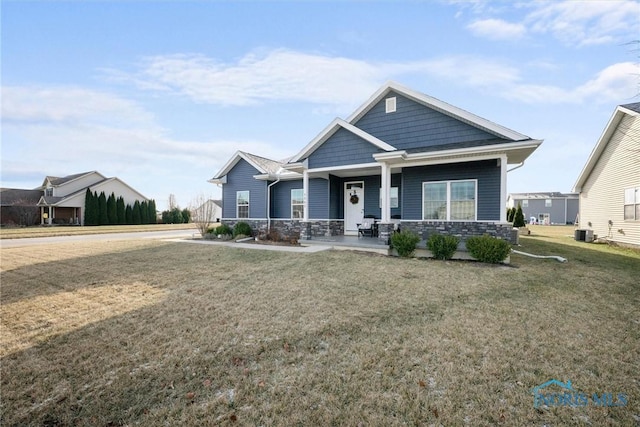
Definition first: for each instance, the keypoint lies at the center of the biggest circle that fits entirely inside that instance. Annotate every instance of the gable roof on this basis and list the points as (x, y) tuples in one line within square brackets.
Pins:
[(262, 164), (609, 130), (333, 127), (57, 181), (438, 105), (19, 197)]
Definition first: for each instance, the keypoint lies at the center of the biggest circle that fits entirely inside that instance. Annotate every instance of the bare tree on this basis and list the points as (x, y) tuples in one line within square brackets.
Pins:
[(172, 202), (202, 213)]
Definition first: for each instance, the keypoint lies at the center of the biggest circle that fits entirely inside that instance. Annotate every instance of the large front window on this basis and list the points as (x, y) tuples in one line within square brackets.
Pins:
[(449, 200), (297, 203), (242, 204)]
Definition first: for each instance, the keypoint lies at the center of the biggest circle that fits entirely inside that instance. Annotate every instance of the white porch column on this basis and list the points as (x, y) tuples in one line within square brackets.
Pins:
[(50, 220), (385, 193), (503, 188), (305, 191), (41, 215)]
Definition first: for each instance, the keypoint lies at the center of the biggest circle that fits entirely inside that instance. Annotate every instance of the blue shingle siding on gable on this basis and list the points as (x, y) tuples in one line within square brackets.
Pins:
[(486, 172), (343, 148), (415, 127), (240, 178)]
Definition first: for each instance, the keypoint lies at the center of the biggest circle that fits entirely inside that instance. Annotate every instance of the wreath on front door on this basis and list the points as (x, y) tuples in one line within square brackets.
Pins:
[(354, 199)]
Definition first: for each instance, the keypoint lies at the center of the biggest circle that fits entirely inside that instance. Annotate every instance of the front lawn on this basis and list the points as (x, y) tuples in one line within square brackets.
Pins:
[(157, 333)]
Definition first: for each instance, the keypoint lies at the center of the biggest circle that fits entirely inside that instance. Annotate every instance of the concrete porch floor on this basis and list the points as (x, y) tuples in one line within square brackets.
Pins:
[(354, 243)]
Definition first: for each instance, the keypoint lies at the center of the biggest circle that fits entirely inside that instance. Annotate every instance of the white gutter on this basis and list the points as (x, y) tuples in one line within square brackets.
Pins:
[(269, 203), (516, 167)]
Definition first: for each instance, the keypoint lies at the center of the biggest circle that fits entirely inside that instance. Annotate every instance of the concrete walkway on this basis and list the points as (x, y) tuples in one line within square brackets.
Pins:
[(278, 248)]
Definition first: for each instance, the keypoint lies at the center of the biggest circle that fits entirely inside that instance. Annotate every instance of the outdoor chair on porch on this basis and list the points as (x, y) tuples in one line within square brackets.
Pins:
[(368, 226)]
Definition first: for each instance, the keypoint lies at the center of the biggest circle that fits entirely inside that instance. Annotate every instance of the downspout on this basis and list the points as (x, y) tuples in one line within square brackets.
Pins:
[(269, 202)]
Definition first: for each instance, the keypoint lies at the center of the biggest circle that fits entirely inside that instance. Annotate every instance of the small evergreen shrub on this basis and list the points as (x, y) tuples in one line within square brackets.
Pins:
[(518, 218), (442, 246), (405, 243), (488, 249), (242, 228), (222, 229)]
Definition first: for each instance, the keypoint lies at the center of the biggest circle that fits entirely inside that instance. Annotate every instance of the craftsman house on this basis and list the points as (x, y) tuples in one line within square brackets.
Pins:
[(609, 183), (403, 159)]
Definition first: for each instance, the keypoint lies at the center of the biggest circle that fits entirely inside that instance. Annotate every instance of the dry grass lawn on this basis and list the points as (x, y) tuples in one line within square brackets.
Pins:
[(156, 333), (25, 232)]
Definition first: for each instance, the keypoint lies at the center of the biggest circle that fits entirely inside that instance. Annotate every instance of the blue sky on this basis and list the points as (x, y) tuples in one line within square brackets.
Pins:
[(161, 94)]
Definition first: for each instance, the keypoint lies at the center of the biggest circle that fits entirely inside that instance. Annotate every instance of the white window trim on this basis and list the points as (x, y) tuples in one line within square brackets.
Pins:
[(297, 204), (391, 197), (636, 196), (548, 203), (448, 183), (248, 204), (525, 203)]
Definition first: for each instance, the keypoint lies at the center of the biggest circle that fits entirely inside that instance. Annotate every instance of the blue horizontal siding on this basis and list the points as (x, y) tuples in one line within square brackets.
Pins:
[(281, 198), (343, 148), (240, 178), (486, 172), (318, 198), (415, 127)]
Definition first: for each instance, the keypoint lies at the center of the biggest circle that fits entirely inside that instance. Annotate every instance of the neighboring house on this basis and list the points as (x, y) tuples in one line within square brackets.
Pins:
[(546, 208), (210, 211), (61, 200), (19, 207), (401, 157), (609, 184)]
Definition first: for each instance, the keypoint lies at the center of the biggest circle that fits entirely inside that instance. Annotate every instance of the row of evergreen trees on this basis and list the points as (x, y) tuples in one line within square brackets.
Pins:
[(516, 216), (103, 210)]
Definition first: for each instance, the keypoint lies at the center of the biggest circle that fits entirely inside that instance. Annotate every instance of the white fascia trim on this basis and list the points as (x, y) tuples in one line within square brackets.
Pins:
[(345, 167), (233, 161), (608, 132), (288, 176), (221, 180), (437, 105), (330, 130), (457, 154)]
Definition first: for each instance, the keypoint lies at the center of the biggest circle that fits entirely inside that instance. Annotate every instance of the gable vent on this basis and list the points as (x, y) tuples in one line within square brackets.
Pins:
[(390, 104)]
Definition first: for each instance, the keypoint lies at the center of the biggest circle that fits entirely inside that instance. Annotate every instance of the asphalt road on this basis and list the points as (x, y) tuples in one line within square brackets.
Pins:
[(36, 241)]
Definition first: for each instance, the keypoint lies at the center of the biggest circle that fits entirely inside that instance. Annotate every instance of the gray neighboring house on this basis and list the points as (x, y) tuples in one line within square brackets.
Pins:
[(403, 158), (609, 183), (551, 208)]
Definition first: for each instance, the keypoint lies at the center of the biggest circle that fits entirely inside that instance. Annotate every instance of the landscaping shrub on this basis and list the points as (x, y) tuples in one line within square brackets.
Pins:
[(488, 249), (223, 229), (518, 218), (405, 243), (442, 246), (242, 228)]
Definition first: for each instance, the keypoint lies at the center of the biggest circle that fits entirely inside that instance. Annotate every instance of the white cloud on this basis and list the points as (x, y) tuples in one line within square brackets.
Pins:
[(574, 23), (278, 75), (497, 29), (580, 23)]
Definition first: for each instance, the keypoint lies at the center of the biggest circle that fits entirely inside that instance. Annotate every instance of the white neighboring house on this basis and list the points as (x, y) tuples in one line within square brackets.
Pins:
[(62, 199), (609, 184), (211, 210)]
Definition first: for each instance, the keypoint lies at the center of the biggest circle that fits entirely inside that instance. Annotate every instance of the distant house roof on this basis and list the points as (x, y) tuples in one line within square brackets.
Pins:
[(544, 195), (56, 181), (216, 202), (19, 197), (618, 114)]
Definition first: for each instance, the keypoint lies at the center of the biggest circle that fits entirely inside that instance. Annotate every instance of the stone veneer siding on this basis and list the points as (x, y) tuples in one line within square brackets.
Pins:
[(323, 228), (285, 227), (462, 229)]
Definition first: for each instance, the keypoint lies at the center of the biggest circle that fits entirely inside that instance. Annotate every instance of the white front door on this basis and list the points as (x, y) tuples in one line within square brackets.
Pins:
[(353, 206)]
